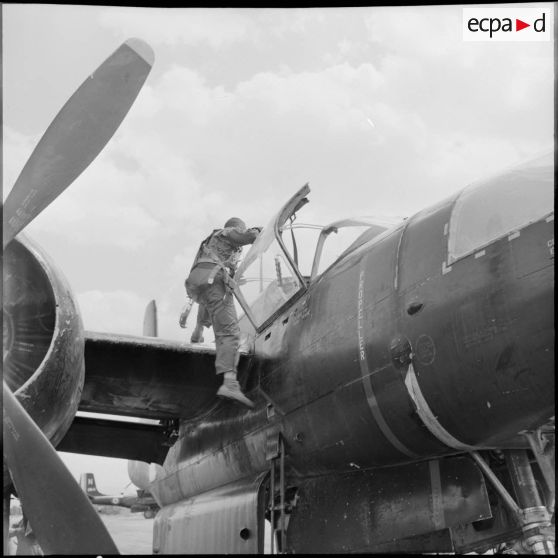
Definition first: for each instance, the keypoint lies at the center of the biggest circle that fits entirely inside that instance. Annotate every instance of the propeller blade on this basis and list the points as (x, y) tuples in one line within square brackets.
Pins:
[(59, 511), (78, 133)]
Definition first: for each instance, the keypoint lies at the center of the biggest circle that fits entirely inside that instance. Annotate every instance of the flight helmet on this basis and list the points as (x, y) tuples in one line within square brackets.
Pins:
[(236, 222)]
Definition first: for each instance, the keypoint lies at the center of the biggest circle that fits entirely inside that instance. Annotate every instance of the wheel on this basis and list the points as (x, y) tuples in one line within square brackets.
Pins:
[(148, 514)]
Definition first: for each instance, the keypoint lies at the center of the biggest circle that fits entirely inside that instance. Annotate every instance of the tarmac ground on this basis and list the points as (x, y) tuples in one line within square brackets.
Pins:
[(131, 532)]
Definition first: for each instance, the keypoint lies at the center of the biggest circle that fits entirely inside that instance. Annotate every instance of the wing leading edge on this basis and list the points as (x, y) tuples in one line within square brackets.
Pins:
[(148, 377), (145, 378)]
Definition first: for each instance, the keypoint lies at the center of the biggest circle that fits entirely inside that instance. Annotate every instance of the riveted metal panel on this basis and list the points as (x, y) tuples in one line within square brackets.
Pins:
[(366, 511), (227, 520)]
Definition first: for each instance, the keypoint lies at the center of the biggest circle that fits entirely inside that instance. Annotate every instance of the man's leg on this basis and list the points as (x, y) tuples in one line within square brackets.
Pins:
[(203, 320), (220, 305)]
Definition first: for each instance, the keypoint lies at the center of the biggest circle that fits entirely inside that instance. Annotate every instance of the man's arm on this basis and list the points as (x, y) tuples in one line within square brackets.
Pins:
[(239, 237)]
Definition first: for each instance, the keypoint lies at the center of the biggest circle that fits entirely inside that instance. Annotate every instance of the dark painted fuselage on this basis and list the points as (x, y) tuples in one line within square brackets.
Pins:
[(391, 356)]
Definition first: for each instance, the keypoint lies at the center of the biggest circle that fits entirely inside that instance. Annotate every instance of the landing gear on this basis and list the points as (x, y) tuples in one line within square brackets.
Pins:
[(538, 536), (149, 513), (532, 508)]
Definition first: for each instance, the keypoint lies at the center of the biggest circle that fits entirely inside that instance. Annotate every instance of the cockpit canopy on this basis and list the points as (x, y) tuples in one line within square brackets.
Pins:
[(268, 278), (493, 208), (271, 276)]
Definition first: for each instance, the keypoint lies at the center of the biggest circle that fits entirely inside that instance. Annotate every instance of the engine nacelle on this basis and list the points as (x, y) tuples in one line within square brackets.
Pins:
[(43, 339)]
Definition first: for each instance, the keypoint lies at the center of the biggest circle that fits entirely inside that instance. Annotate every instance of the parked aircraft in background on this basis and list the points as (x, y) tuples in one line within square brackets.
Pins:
[(404, 394), (138, 471), (142, 502)]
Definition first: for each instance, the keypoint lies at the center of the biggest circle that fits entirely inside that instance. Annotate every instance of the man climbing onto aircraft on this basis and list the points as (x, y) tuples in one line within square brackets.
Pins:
[(210, 284)]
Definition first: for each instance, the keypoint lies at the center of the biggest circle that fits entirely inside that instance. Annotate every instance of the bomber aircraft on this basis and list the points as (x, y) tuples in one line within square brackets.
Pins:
[(142, 502), (404, 394)]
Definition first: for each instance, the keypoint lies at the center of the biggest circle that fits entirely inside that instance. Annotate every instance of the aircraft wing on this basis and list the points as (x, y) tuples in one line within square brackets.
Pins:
[(141, 377), (147, 377)]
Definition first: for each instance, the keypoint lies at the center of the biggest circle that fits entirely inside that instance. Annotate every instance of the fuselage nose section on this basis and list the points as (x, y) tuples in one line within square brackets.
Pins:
[(483, 341)]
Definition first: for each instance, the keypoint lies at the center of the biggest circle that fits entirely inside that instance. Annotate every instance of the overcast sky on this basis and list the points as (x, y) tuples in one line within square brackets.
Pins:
[(382, 110)]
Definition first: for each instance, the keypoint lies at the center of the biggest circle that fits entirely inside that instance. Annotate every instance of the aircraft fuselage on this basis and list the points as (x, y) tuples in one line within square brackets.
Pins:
[(391, 356)]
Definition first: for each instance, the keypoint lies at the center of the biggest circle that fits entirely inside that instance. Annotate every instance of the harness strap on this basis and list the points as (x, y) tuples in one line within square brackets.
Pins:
[(214, 272), (204, 249), (229, 281)]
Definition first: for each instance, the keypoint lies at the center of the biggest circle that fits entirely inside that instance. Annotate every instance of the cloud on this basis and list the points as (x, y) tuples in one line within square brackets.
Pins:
[(417, 32), (454, 85), (194, 150), (112, 311), (216, 27), (331, 94), (102, 203), (282, 23), (286, 99), (244, 138), (275, 131), (17, 149)]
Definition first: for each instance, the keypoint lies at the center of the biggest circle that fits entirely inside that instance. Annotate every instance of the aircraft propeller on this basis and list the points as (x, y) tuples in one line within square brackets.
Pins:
[(77, 134), (58, 510), (62, 518)]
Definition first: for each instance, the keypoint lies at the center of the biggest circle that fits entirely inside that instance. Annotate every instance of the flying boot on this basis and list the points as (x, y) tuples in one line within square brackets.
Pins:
[(197, 334), (231, 390)]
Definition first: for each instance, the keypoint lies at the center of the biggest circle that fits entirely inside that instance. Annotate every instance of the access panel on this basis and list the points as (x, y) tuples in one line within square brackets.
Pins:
[(373, 511), (227, 520)]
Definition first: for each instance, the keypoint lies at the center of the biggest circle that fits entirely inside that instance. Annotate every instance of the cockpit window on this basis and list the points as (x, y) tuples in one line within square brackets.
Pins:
[(488, 210), (346, 234), (268, 283), (267, 279)]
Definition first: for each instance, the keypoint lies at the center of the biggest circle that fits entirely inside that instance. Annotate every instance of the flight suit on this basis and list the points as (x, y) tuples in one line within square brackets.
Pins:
[(207, 284), (203, 319)]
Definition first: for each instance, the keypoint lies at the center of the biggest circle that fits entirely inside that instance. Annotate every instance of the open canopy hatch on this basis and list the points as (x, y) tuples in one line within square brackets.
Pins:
[(270, 279)]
